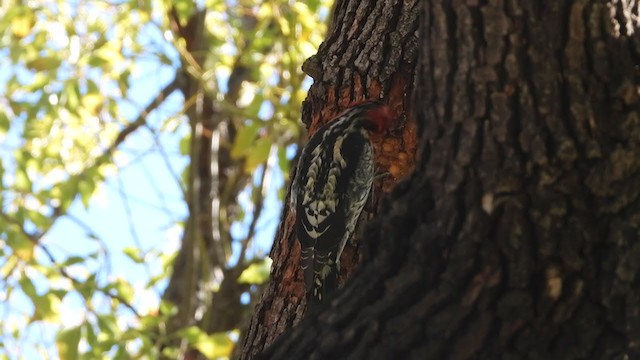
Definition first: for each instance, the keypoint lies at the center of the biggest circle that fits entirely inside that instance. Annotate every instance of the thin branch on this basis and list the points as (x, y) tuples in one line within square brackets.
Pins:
[(165, 159), (93, 235), (35, 238), (141, 201), (130, 222), (257, 209), (142, 117)]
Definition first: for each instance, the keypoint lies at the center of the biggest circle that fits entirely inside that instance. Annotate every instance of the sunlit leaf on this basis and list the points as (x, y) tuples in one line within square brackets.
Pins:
[(39, 220), (40, 79), (92, 102), (72, 260), (283, 162), (47, 307), (185, 145), (123, 289), (21, 25), (258, 155), (27, 287), (44, 63), (184, 8), (4, 123), (167, 308), (215, 346), (212, 346), (88, 287), (9, 265), (245, 140), (23, 182), (86, 189), (257, 273), (134, 254), (108, 324), (22, 246), (67, 342)]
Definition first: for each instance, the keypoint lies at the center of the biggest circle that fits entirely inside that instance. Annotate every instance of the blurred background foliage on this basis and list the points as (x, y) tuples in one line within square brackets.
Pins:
[(144, 149)]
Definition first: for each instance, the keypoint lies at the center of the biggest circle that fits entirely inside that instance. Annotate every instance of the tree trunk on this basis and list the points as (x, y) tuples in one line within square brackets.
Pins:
[(518, 233), (370, 52)]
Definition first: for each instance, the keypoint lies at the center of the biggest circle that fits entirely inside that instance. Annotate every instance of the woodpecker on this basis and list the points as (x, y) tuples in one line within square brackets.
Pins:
[(334, 176)]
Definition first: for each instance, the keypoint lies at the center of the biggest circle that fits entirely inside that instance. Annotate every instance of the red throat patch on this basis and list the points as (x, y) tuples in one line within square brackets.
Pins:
[(377, 113), (382, 116)]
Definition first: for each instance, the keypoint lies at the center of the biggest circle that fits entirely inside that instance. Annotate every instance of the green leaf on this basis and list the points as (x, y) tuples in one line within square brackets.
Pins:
[(47, 307), (21, 25), (212, 346), (91, 337), (86, 189), (123, 288), (5, 124), (108, 324), (44, 63), (185, 145), (39, 220), (283, 162), (258, 155), (72, 260), (257, 273), (72, 93), (88, 287), (244, 141), (39, 81), (184, 8), (22, 246), (92, 102), (9, 266), (191, 334), (134, 254), (167, 308), (22, 181), (27, 287), (67, 342), (218, 345)]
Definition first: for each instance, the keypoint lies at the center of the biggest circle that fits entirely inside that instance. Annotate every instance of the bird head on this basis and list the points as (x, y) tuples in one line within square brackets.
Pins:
[(376, 116)]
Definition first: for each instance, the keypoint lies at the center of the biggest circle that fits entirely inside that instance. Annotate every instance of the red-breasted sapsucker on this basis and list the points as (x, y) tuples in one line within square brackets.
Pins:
[(334, 176)]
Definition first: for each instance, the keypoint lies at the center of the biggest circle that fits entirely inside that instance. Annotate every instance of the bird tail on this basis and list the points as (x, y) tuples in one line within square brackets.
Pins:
[(322, 280)]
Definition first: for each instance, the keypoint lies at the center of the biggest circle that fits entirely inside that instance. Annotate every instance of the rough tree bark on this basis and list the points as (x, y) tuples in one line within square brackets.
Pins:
[(518, 233), (369, 53)]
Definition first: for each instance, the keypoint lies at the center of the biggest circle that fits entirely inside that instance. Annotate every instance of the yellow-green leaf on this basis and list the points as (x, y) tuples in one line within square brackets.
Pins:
[(92, 102), (212, 346), (215, 346), (257, 273), (27, 287), (47, 307), (134, 254), (244, 141), (184, 8), (67, 342), (9, 266), (44, 63), (123, 289), (22, 246), (185, 144), (86, 189), (23, 183), (258, 155), (21, 25), (283, 162)]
